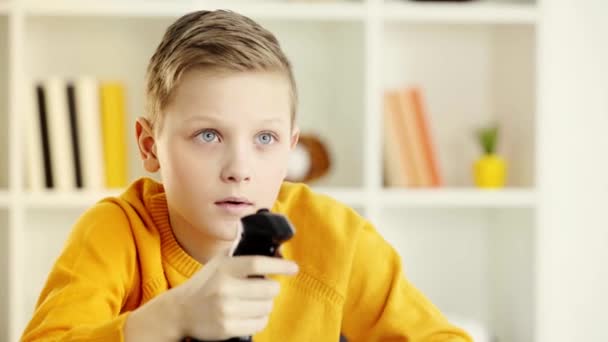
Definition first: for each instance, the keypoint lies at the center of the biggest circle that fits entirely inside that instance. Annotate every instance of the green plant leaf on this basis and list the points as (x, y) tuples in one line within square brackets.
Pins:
[(488, 138)]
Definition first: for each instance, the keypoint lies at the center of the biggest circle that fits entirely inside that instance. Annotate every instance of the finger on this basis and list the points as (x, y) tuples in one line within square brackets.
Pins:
[(252, 289), (279, 252), (247, 309), (243, 266)]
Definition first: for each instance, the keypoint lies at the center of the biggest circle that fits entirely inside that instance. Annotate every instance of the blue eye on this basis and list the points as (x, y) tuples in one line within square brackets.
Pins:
[(208, 135), (265, 138)]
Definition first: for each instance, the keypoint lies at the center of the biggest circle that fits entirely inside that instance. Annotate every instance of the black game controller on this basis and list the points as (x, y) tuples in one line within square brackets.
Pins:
[(263, 233)]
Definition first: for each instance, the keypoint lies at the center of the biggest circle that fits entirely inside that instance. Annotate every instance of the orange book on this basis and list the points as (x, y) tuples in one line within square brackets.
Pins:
[(413, 138), (426, 141), (396, 168)]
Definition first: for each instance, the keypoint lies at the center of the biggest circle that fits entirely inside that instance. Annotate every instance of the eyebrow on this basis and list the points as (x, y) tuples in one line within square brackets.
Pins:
[(212, 119)]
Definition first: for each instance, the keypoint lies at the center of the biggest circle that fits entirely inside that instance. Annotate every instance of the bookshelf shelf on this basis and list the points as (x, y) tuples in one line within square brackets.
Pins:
[(66, 200), (269, 10), (472, 13), (84, 199), (458, 198), (388, 198), (475, 12)]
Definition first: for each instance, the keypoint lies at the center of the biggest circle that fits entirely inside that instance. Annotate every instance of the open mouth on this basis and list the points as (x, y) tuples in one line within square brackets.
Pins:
[(234, 205), (233, 202)]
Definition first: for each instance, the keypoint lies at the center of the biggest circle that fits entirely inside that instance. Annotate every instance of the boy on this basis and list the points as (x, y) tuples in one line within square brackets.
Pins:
[(154, 264)]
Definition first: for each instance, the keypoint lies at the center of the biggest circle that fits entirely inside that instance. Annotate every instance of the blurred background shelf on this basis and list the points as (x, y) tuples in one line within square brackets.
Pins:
[(83, 199), (474, 12), (458, 198), (389, 198), (337, 11), (66, 200)]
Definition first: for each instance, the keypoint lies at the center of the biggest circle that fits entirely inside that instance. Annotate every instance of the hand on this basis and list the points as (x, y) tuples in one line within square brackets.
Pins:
[(220, 301)]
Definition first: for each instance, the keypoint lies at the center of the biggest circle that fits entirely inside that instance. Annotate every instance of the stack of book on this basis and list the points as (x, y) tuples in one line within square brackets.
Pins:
[(409, 153), (76, 135)]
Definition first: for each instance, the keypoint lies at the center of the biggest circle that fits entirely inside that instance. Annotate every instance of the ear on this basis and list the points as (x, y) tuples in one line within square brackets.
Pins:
[(295, 136), (147, 145)]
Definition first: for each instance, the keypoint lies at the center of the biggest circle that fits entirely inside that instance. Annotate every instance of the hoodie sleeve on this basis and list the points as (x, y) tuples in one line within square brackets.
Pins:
[(89, 282), (382, 305)]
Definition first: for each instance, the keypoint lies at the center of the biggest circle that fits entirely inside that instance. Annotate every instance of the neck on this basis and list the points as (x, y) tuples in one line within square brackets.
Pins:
[(197, 243)]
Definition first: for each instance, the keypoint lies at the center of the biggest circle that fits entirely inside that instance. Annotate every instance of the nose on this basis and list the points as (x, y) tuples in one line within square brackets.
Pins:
[(237, 168)]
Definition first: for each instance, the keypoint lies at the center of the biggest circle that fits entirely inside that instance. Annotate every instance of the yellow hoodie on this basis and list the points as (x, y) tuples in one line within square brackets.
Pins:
[(122, 252)]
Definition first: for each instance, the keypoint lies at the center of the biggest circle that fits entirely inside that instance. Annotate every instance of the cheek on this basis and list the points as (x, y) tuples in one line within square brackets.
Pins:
[(273, 166), (187, 176), (183, 164)]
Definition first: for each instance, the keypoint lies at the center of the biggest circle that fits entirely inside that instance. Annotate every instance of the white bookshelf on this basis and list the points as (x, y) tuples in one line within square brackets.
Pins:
[(488, 13), (261, 10), (459, 198), (355, 197), (447, 12), (83, 199), (476, 61), (72, 200)]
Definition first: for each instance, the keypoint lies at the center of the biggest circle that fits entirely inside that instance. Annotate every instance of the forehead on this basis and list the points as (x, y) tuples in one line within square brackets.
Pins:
[(232, 95)]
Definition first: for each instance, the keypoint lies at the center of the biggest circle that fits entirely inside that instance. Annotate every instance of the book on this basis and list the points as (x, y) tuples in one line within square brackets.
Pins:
[(426, 141), (409, 152), (412, 138), (75, 142), (45, 137), (59, 137), (35, 134), (397, 163), (90, 132), (114, 133)]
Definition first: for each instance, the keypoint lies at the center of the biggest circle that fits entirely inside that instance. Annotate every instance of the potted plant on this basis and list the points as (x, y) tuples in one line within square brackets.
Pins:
[(490, 170)]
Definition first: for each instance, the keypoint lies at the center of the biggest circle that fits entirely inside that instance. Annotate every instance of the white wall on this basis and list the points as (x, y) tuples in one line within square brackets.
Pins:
[(3, 100), (572, 238)]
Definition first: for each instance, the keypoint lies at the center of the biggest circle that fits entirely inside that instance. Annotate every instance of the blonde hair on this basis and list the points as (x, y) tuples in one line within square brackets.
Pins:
[(222, 40)]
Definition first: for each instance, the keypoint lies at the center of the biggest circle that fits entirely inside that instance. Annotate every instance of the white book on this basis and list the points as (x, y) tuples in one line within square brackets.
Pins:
[(89, 136), (33, 142), (60, 138)]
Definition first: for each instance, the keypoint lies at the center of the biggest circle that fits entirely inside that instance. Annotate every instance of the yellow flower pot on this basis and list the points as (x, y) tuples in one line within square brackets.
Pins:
[(490, 171)]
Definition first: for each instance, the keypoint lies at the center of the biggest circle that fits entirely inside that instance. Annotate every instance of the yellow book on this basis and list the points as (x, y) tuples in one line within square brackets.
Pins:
[(113, 118)]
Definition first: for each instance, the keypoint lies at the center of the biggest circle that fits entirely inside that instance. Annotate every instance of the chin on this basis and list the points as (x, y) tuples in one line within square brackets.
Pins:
[(224, 229)]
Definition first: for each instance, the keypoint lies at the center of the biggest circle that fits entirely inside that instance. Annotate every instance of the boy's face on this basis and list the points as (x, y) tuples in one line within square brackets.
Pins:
[(224, 137)]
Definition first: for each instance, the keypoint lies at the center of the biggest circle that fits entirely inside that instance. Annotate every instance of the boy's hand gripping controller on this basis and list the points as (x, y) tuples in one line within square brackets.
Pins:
[(263, 233)]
